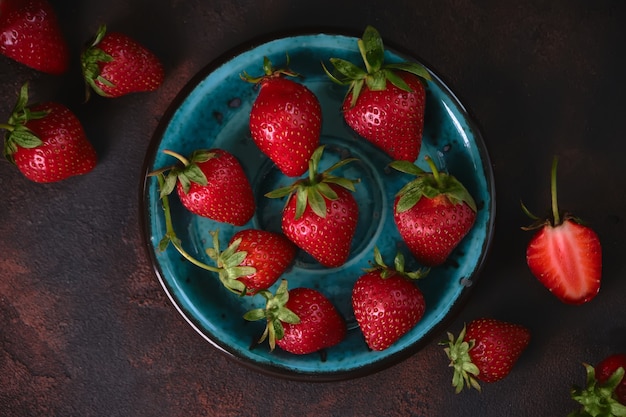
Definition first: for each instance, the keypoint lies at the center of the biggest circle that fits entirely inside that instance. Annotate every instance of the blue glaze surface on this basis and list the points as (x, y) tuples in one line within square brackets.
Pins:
[(214, 112)]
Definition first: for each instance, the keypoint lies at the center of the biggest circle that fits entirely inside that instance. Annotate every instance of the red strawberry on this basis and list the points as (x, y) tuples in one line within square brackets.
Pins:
[(486, 349), (253, 261), (285, 120), (385, 103), (386, 303), (30, 34), (433, 213), (321, 214), (212, 184), (607, 368), (115, 65), (605, 391), (47, 142), (565, 255), (299, 321)]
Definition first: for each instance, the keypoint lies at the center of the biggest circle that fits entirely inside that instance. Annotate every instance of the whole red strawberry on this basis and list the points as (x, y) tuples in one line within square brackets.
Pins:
[(386, 302), (114, 65), (211, 183), (433, 213), (565, 255), (385, 104), (299, 321), (253, 261), (486, 350), (30, 34), (605, 392), (46, 141), (321, 214), (285, 120)]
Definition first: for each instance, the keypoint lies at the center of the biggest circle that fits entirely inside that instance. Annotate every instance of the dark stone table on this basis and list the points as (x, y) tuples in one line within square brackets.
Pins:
[(86, 329)]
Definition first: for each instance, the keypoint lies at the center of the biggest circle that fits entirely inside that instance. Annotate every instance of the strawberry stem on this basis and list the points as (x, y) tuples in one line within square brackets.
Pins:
[(178, 156), (7, 126), (555, 207), (170, 234), (434, 169)]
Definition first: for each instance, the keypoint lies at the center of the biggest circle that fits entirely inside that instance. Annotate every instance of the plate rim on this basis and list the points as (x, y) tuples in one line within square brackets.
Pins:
[(277, 371)]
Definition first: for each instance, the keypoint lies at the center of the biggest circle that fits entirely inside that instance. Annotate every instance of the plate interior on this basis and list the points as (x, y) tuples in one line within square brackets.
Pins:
[(214, 114)]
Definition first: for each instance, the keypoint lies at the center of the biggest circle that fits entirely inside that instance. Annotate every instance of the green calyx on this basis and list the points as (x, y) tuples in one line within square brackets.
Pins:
[(229, 264), (465, 371), (430, 185), (599, 400), (90, 60), (186, 172), (376, 72), (398, 267), (270, 71), (18, 135), (275, 313), (315, 189)]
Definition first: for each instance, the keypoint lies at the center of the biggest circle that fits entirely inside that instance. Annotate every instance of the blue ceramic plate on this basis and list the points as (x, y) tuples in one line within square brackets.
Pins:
[(213, 111)]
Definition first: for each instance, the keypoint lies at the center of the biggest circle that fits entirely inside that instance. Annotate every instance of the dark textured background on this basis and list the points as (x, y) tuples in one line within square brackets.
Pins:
[(85, 329)]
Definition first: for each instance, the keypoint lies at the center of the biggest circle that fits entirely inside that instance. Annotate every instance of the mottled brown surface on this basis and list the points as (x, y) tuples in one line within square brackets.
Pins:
[(85, 329)]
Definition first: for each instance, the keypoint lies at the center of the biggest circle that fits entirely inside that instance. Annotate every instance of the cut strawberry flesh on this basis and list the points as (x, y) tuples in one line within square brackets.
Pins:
[(567, 259)]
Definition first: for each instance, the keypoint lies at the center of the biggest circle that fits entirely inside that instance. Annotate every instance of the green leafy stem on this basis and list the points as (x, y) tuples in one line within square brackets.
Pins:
[(170, 234)]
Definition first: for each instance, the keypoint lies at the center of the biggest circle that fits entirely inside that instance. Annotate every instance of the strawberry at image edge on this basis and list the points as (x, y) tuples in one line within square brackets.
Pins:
[(31, 35), (604, 394)]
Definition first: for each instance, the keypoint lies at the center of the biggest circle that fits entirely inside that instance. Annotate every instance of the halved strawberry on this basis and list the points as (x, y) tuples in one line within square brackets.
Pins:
[(299, 321), (565, 255), (285, 119), (385, 103)]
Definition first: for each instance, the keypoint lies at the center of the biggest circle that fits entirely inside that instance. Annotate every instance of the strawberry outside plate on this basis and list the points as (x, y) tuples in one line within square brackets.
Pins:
[(212, 112)]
